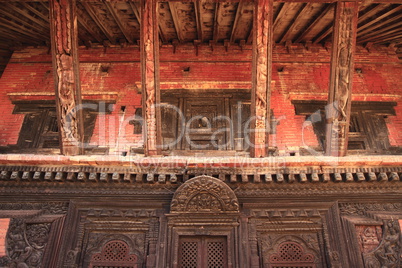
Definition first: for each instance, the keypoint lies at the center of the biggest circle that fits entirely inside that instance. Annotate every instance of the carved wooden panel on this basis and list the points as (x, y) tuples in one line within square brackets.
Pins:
[(26, 244), (292, 255), (388, 253)]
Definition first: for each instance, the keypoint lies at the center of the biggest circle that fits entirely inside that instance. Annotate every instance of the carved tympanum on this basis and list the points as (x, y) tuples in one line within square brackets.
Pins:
[(204, 194), (368, 237), (115, 253)]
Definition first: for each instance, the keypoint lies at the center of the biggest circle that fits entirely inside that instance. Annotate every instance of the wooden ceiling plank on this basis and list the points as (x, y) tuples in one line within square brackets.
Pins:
[(324, 34), (236, 21), (119, 22), (136, 11), (17, 28), (388, 38), (40, 31), (45, 17), (373, 12), (381, 25), (296, 21), (281, 13), (379, 18), (176, 21), (198, 15), (96, 17), (381, 31), (16, 36), (325, 10), (25, 13), (218, 11), (82, 22)]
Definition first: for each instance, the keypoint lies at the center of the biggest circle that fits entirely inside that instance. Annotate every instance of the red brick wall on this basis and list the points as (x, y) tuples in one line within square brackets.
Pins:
[(3, 232), (298, 73)]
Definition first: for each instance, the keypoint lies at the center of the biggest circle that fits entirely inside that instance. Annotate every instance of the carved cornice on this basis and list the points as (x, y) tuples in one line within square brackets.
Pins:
[(171, 175), (363, 208)]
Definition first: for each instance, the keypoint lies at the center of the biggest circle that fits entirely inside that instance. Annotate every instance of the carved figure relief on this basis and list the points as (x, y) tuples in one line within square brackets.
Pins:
[(387, 254), (368, 237), (26, 244), (204, 194)]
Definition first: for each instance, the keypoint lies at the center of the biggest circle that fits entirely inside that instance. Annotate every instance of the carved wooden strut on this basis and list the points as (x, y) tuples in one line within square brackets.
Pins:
[(64, 42), (262, 66), (340, 84)]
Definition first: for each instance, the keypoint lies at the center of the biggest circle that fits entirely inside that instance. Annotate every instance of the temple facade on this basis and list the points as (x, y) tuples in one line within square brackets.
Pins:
[(201, 134)]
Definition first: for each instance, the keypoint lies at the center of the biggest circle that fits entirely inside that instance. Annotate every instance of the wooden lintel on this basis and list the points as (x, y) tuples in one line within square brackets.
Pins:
[(64, 46), (261, 77), (150, 78), (341, 75)]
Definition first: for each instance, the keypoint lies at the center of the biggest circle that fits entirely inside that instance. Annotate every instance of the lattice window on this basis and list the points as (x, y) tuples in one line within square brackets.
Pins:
[(115, 254), (189, 254), (215, 254), (291, 255)]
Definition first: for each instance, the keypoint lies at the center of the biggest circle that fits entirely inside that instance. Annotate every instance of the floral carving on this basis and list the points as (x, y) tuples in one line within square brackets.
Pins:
[(204, 194), (25, 244)]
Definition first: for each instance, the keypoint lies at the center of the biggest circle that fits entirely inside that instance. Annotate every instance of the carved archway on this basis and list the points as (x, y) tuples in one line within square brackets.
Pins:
[(204, 194), (291, 254)]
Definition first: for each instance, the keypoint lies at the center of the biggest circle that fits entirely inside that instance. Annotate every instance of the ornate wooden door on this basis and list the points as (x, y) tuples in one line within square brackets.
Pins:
[(202, 252)]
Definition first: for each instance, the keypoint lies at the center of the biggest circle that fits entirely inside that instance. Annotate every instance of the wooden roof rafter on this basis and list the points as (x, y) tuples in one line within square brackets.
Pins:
[(42, 32), (96, 18), (217, 22), (177, 25), (381, 32), (316, 21), (377, 19), (305, 9), (45, 17), (122, 26), (236, 21), (87, 27), (44, 23), (199, 15)]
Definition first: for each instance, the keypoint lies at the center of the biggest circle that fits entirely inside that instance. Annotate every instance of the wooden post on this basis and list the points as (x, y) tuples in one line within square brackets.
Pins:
[(64, 46), (150, 78), (261, 77), (340, 83)]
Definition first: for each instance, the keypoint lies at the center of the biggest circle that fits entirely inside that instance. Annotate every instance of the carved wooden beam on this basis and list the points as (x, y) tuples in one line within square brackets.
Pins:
[(64, 45), (340, 84), (261, 77), (150, 78)]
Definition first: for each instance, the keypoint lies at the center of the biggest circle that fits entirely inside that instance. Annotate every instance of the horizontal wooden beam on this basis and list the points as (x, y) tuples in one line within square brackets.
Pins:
[(279, 1)]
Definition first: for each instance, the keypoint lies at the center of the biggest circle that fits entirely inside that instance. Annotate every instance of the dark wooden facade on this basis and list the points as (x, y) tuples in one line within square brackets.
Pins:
[(206, 199)]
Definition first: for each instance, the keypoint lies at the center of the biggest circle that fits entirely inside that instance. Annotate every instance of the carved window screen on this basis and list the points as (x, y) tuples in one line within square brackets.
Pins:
[(202, 252), (291, 255), (115, 254)]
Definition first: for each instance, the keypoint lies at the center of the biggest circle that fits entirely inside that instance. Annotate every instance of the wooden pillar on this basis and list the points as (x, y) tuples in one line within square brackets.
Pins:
[(340, 83), (150, 78), (64, 46), (261, 77)]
